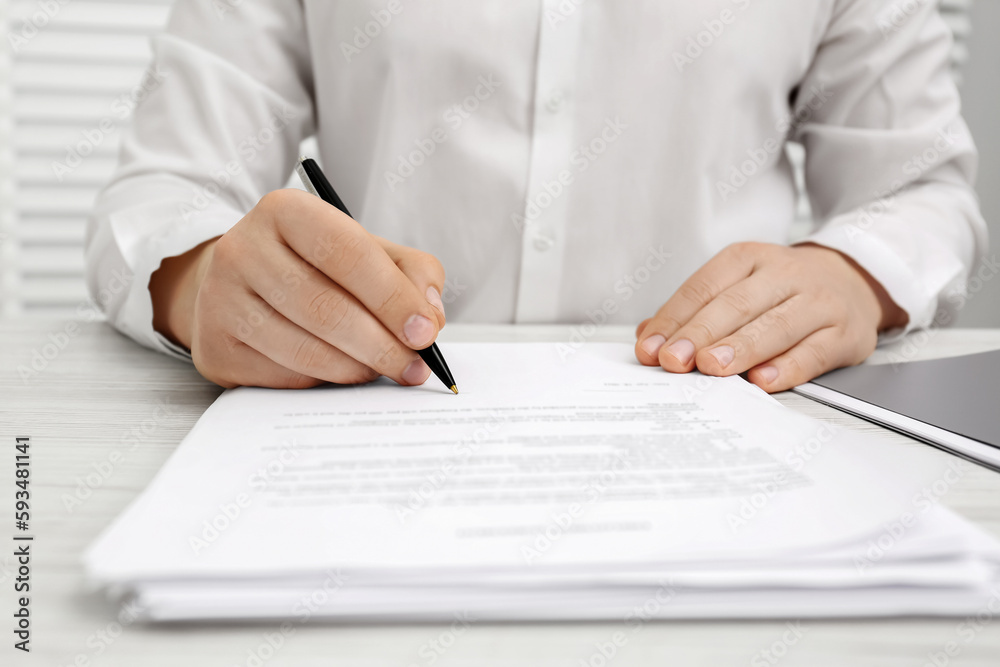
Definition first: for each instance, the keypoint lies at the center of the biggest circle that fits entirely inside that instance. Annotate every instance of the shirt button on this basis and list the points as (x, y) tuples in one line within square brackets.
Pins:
[(555, 101), (543, 243)]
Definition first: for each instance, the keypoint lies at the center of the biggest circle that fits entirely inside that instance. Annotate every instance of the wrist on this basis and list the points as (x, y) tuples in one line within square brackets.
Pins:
[(891, 316), (174, 290)]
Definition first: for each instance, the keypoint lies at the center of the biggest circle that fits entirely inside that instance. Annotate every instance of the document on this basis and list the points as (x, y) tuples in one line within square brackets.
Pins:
[(562, 482)]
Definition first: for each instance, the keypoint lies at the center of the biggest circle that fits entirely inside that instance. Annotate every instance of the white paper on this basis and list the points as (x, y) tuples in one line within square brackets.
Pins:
[(552, 464)]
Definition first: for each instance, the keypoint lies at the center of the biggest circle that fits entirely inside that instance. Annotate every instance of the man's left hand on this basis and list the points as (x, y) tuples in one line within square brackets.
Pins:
[(785, 314)]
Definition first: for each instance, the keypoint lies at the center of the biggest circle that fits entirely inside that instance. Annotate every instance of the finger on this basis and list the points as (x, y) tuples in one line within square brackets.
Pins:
[(313, 302), (355, 260), (728, 267), (424, 270), (735, 307), (289, 345), (231, 363), (642, 325), (773, 332), (813, 356)]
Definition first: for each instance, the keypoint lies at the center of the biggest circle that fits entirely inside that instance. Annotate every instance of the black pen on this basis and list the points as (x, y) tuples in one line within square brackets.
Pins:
[(314, 179)]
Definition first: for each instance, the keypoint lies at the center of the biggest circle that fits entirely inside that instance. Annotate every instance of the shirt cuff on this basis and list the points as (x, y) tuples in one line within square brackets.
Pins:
[(146, 235)]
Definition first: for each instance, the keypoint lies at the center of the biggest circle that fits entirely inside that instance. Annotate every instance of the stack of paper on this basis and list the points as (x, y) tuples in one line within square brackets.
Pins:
[(562, 483)]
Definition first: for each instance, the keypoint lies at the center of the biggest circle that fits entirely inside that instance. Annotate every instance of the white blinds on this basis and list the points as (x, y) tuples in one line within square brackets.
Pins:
[(76, 65), (8, 270), (65, 81)]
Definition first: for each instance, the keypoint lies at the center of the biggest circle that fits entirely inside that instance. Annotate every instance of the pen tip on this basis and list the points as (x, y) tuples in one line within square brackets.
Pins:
[(454, 389)]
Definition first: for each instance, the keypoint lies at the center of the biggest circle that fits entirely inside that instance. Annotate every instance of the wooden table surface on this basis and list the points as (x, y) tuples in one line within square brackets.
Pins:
[(104, 414)]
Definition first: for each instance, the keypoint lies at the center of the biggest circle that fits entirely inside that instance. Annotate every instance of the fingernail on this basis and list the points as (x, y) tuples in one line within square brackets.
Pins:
[(723, 354), (434, 298), (768, 374), (419, 331), (416, 372), (683, 350), (652, 345)]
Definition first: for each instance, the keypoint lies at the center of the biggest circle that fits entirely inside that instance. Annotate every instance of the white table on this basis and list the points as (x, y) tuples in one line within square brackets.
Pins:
[(101, 394)]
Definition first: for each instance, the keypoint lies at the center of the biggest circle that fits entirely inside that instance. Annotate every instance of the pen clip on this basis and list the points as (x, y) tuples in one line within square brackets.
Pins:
[(304, 177)]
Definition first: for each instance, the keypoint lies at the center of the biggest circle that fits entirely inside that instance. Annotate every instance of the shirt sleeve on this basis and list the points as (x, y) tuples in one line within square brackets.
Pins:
[(889, 161), (227, 101)]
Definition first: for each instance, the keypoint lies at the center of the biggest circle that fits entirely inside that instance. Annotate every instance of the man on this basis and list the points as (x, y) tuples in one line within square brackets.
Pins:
[(582, 160)]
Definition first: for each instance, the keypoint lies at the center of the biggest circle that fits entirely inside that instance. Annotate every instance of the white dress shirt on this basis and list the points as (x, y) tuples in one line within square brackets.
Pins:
[(566, 160)]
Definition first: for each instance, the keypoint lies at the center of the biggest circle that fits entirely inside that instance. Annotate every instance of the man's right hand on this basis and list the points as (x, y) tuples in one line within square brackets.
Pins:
[(297, 294)]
